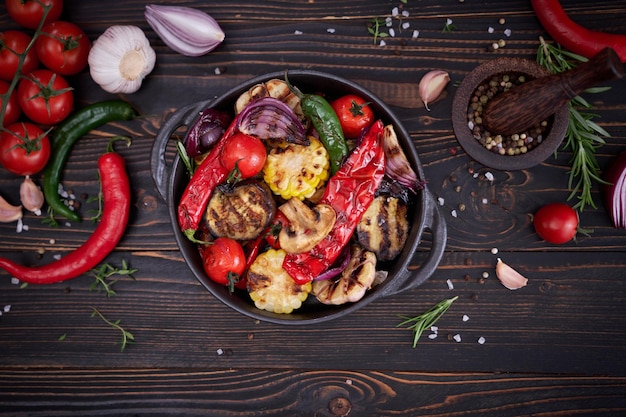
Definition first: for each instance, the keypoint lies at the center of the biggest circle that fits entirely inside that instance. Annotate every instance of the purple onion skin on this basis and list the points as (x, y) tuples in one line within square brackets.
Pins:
[(615, 190), (207, 130)]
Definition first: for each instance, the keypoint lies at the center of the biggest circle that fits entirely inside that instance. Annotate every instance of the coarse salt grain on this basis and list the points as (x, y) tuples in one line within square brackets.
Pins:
[(434, 329), (15, 281), (490, 30), (220, 352), (330, 30), (382, 43), (450, 284), (20, 226), (465, 317), (395, 11), (441, 201), (349, 381), (432, 336), (57, 257), (481, 340), (489, 176), (416, 34), (485, 201), (406, 25), (388, 22), (507, 32), (392, 32), (405, 13), (217, 71), (457, 338), (453, 213), (297, 32), (7, 308)]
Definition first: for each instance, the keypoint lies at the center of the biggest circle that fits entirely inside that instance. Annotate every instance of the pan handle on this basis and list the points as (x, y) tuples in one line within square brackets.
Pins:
[(160, 168), (406, 279)]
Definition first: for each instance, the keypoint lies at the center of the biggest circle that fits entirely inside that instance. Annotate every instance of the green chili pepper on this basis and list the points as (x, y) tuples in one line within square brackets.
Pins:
[(64, 137), (319, 111)]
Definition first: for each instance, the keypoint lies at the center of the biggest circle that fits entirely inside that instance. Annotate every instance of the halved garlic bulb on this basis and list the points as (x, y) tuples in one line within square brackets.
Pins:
[(120, 59), (509, 277)]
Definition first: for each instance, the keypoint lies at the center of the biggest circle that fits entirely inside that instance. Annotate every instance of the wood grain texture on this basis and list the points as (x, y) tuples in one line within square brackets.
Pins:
[(553, 348)]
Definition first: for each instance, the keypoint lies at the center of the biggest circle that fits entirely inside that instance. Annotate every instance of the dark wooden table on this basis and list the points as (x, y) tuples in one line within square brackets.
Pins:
[(555, 347)]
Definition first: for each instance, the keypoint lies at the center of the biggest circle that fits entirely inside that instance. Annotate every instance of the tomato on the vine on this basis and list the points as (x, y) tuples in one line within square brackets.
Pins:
[(224, 261), (45, 97), (13, 43), (12, 111), (63, 47), (245, 152), (556, 223), (24, 149), (354, 114), (29, 13)]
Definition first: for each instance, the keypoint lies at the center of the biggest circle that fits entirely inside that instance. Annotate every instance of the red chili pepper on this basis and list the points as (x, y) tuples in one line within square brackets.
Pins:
[(571, 35), (205, 178), (116, 195), (350, 192)]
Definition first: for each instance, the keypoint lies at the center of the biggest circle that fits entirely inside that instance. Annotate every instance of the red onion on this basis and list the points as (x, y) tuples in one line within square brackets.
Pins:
[(341, 262), (207, 130), (270, 118), (615, 190)]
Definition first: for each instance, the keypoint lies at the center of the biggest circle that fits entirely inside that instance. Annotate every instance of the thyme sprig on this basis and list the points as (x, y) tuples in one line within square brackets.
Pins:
[(104, 272), (374, 28), (127, 337), (427, 319), (583, 136)]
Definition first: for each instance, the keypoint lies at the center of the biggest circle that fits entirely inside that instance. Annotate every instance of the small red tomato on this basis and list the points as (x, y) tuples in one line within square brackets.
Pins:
[(63, 47), (12, 44), (245, 152), (556, 223), (12, 111), (29, 13), (224, 261), (45, 97), (24, 149), (354, 113)]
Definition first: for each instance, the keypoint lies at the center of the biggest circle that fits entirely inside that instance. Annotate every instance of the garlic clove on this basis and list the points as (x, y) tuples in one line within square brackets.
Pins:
[(509, 277), (120, 59), (187, 31), (432, 85), (8, 212), (31, 196)]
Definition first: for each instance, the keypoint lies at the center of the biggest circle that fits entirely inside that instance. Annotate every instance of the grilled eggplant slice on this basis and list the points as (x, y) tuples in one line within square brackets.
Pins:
[(240, 213), (384, 227)]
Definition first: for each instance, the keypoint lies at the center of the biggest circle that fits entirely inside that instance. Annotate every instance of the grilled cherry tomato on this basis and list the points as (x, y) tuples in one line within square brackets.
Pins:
[(24, 149), (224, 261), (45, 97), (13, 111), (556, 223), (245, 152), (354, 114), (63, 47), (12, 44), (29, 13)]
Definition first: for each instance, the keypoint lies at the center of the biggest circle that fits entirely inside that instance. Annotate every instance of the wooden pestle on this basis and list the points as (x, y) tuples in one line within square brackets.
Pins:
[(528, 104)]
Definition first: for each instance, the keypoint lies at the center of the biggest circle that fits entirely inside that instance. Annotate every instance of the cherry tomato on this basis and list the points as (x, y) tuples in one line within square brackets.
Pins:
[(13, 111), (12, 44), (556, 223), (29, 13), (224, 261), (24, 149), (63, 47), (354, 114), (246, 152), (45, 97)]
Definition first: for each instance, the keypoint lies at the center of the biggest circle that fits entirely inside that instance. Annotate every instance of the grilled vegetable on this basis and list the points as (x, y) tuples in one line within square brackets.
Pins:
[(293, 170), (270, 118), (271, 288), (241, 213), (354, 281), (207, 130), (307, 227), (384, 227), (272, 88)]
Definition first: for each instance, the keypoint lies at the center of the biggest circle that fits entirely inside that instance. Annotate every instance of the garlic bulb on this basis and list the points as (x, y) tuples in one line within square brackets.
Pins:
[(120, 59), (188, 31), (431, 85)]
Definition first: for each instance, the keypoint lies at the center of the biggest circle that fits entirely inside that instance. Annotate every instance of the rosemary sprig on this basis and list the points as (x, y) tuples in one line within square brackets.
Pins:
[(427, 319), (583, 136), (105, 271), (127, 337)]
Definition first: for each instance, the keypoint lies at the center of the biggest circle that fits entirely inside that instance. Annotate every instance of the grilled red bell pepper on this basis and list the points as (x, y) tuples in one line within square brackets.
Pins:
[(573, 36), (349, 192), (205, 178)]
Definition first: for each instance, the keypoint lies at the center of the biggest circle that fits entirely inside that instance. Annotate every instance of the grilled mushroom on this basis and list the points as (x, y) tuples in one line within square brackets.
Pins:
[(307, 226)]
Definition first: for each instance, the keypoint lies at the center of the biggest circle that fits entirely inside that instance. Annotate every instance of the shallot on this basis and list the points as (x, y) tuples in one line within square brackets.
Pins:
[(187, 31), (615, 190)]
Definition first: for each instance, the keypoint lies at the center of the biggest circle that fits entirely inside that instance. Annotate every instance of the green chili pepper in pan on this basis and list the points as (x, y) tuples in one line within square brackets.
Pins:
[(66, 135), (319, 111)]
